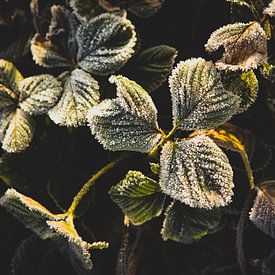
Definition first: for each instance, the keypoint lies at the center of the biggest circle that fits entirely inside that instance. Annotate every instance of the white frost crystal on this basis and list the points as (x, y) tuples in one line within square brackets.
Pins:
[(270, 10), (199, 100), (128, 122), (245, 46), (196, 172), (81, 92)]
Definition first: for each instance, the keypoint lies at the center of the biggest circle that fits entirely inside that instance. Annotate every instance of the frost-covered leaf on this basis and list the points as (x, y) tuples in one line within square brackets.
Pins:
[(145, 8), (139, 197), (270, 10), (16, 130), (196, 172), (58, 48), (199, 100), (243, 84), (28, 211), (151, 67), (9, 76), (39, 93), (81, 92), (262, 213), (245, 46), (186, 225), (105, 43), (128, 122)]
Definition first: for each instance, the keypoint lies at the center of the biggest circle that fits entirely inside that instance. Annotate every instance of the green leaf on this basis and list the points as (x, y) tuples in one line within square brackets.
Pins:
[(128, 122), (196, 172), (245, 46), (243, 84), (39, 93), (81, 92), (186, 225), (268, 71), (151, 67), (155, 168), (9, 76), (16, 130), (199, 101), (145, 8), (139, 197), (105, 43), (262, 213)]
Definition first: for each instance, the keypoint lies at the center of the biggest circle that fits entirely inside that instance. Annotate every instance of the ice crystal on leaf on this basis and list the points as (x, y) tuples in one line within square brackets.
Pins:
[(262, 213), (81, 92), (196, 172), (139, 197), (199, 99), (19, 99), (128, 122), (48, 225), (270, 10), (245, 46)]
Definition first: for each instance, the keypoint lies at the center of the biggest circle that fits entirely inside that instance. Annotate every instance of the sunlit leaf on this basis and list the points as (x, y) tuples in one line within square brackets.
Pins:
[(16, 130), (39, 93), (243, 84), (196, 172), (262, 213), (270, 10), (151, 67), (186, 225), (128, 122), (139, 197), (105, 43), (245, 46), (199, 100), (81, 92)]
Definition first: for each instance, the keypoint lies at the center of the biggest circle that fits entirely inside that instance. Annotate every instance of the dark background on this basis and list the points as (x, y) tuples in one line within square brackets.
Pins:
[(61, 160)]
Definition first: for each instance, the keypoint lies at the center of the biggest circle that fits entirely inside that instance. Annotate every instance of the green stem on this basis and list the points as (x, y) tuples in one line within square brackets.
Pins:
[(86, 187), (248, 169)]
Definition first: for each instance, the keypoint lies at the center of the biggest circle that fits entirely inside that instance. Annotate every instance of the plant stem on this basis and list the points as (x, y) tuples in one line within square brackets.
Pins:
[(86, 187), (248, 169)]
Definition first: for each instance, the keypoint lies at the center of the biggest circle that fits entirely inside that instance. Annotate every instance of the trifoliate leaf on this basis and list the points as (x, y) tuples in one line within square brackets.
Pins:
[(245, 46), (58, 48), (145, 8), (139, 197), (16, 130), (128, 122), (186, 225), (196, 172), (262, 213), (243, 84), (9, 76), (270, 10), (199, 100), (81, 92), (39, 93), (105, 43), (151, 67)]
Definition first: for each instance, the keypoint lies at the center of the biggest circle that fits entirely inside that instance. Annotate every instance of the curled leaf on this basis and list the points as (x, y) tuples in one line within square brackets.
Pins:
[(81, 92), (245, 46), (196, 172), (262, 213), (186, 225), (139, 197), (199, 100), (39, 93), (105, 43), (128, 122)]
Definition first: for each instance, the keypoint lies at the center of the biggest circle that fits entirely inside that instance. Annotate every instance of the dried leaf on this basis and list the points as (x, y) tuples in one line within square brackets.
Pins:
[(196, 172), (245, 46), (105, 43), (81, 92), (199, 100), (128, 122), (186, 225), (262, 213), (139, 197)]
